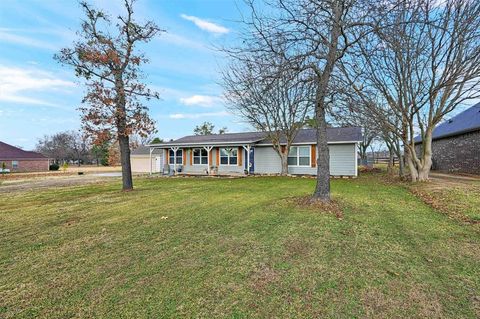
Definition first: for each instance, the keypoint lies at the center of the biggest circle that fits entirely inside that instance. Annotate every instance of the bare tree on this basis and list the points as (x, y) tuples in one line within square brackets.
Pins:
[(107, 60), (272, 98), (80, 147), (56, 146), (65, 147), (423, 64), (312, 36)]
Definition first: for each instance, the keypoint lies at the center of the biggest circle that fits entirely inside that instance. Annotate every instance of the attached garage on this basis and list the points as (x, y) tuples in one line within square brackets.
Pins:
[(141, 161)]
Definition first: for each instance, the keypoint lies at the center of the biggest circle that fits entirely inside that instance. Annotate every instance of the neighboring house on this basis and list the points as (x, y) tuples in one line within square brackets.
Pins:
[(18, 160), (234, 153), (456, 143)]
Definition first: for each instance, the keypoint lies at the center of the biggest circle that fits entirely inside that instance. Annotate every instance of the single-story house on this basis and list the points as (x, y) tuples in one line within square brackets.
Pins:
[(18, 160), (252, 152), (456, 143)]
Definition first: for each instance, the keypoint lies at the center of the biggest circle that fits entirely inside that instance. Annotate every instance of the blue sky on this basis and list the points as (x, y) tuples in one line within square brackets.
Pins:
[(38, 96)]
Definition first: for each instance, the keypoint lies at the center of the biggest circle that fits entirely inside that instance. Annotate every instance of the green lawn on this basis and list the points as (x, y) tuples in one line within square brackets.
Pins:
[(235, 248)]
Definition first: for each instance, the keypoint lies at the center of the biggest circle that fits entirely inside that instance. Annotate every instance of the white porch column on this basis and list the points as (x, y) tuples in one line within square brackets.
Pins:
[(151, 151), (209, 149), (247, 148), (174, 149)]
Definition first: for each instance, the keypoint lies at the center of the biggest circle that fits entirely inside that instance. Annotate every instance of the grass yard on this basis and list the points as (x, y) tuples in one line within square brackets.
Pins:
[(234, 248)]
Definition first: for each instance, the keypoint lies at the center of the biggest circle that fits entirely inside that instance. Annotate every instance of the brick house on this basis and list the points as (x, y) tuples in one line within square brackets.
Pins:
[(18, 160), (456, 143)]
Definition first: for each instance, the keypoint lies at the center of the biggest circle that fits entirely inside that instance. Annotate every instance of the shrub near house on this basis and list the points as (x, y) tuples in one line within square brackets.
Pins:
[(15, 159)]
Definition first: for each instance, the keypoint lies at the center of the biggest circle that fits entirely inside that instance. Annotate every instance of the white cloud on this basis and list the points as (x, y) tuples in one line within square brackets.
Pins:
[(7, 35), (206, 25), (179, 40), (180, 116), (17, 84), (200, 100)]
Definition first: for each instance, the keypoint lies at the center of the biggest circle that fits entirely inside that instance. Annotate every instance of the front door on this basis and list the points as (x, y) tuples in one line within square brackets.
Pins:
[(158, 164), (252, 162)]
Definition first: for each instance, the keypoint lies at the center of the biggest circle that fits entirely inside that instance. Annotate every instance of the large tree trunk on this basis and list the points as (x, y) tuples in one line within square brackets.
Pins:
[(401, 159), (283, 154), (127, 180), (123, 137), (391, 159), (363, 153), (284, 160), (426, 161), (411, 165), (420, 168), (322, 189)]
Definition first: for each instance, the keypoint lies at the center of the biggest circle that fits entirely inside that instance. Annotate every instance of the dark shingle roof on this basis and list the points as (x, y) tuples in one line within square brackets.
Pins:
[(467, 121), (9, 152), (334, 134), (249, 137), (145, 150)]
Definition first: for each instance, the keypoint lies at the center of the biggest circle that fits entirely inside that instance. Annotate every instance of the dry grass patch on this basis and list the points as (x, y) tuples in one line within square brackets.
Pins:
[(459, 200), (263, 276), (306, 202), (398, 300)]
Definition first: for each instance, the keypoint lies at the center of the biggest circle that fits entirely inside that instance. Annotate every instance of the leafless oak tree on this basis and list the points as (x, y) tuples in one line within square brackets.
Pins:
[(423, 63), (106, 58), (272, 98), (311, 36)]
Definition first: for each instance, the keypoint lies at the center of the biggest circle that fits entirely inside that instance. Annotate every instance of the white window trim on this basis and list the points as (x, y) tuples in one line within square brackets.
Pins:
[(193, 157), (175, 157), (298, 156), (15, 166), (220, 157)]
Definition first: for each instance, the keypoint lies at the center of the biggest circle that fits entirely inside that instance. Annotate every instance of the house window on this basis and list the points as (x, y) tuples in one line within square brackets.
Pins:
[(228, 156), (200, 156), (299, 156), (178, 157), (14, 164)]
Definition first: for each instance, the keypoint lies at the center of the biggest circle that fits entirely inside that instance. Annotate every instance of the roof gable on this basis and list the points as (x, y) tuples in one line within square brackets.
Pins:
[(9, 152)]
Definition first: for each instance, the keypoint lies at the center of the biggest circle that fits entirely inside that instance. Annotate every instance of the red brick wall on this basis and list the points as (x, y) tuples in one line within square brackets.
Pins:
[(457, 154), (27, 165)]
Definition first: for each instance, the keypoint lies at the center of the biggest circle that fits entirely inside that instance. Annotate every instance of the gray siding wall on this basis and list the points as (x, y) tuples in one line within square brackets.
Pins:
[(342, 161), (267, 161)]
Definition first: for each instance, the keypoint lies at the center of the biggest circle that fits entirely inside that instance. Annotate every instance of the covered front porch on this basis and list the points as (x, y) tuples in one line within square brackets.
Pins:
[(211, 159)]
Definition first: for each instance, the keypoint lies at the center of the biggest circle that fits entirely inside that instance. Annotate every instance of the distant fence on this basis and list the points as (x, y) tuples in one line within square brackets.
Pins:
[(378, 160)]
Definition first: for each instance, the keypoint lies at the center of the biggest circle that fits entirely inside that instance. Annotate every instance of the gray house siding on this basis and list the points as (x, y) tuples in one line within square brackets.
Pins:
[(342, 161), (266, 161)]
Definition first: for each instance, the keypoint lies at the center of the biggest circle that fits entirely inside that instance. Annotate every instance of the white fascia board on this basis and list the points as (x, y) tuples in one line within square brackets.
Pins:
[(167, 145), (312, 143)]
